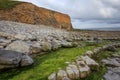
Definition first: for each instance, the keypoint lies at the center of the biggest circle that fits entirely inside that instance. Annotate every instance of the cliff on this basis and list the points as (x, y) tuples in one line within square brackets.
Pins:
[(31, 14)]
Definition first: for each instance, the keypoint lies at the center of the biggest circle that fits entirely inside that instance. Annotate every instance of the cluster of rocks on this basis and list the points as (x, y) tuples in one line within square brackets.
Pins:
[(35, 39), (29, 40), (113, 66), (76, 70), (24, 38), (82, 66)]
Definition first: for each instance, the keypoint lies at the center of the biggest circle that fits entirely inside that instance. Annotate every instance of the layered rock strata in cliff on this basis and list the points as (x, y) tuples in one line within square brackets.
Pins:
[(31, 14)]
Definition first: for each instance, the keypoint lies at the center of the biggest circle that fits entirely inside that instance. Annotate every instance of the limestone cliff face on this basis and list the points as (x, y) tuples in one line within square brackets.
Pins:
[(31, 14)]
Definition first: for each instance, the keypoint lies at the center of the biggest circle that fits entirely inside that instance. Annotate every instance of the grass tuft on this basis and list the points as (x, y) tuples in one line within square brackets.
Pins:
[(8, 4)]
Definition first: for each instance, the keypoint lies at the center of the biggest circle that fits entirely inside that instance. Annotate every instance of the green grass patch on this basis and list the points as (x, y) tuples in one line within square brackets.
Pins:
[(8, 4), (45, 65)]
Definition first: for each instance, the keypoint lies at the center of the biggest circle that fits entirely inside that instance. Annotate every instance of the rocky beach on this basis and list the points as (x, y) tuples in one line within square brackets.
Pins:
[(33, 39)]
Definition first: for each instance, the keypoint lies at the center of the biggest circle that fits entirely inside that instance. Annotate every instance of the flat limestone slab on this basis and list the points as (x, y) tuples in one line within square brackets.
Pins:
[(90, 62)]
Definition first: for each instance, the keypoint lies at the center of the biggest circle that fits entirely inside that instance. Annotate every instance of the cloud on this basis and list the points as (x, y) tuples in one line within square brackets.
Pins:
[(86, 13)]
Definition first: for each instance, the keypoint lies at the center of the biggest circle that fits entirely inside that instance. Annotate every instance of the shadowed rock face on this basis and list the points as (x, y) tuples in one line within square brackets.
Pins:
[(31, 14), (12, 59)]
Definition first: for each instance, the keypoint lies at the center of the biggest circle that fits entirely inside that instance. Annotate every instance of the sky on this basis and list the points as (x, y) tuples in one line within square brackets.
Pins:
[(86, 14)]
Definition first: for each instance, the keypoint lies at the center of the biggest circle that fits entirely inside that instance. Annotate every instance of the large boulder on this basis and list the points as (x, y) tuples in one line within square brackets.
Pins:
[(11, 59), (19, 46)]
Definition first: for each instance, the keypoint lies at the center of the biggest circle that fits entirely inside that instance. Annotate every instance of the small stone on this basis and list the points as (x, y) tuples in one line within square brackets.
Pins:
[(67, 62), (89, 53), (98, 49)]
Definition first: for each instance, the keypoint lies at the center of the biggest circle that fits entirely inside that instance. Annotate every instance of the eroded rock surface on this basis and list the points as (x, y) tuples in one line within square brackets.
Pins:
[(19, 46), (113, 66), (11, 59), (112, 74), (31, 14)]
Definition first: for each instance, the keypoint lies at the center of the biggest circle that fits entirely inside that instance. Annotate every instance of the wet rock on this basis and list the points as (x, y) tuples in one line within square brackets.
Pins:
[(90, 62), (52, 76), (19, 46)]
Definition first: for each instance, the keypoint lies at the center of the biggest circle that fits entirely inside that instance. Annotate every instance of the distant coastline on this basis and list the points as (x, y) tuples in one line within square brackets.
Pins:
[(104, 29)]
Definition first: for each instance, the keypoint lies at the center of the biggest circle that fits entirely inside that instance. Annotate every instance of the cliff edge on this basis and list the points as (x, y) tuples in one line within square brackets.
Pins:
[(28, 13)]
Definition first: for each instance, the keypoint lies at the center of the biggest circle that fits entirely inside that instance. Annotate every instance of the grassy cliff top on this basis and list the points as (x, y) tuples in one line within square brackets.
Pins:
[(8, 4)]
